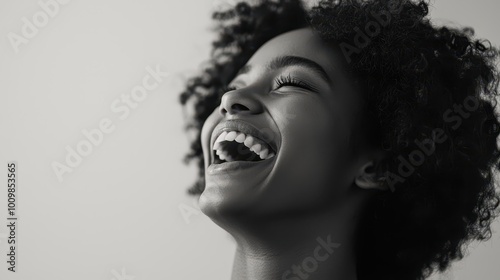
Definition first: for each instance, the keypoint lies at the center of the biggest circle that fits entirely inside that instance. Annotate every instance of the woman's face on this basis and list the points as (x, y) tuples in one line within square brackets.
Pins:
[(293, 100)]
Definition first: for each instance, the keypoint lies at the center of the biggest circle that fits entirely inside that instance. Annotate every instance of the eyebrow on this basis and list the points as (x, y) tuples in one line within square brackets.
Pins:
[(288, 60)]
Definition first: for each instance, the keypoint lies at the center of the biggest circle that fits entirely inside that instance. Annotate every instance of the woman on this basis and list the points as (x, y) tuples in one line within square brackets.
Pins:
[(351, 140)]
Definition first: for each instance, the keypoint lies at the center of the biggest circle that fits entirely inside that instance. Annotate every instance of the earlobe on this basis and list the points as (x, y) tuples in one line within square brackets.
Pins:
[(367, 179)]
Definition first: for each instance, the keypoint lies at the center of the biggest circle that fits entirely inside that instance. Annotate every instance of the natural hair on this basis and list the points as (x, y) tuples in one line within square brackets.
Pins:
[(413, 77)]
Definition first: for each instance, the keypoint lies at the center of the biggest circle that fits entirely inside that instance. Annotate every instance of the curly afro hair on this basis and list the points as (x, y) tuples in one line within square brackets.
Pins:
[(430, 96)]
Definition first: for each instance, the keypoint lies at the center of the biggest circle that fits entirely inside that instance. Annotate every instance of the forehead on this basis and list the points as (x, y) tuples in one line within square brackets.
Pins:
[(301, 43)]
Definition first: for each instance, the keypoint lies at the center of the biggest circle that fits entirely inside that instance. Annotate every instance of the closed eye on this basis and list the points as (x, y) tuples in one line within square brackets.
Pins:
[(288, 80), (281, 81)]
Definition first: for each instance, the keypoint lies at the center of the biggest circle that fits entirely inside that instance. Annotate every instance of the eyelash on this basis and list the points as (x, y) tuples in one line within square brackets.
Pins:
[(290, 81), (280, 82)]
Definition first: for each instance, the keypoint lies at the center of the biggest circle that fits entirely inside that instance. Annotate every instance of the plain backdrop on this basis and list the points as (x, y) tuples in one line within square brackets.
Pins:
[(118, 213)]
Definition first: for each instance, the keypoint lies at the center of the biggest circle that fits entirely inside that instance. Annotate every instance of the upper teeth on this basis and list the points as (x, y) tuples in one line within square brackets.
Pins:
[(255, 145)]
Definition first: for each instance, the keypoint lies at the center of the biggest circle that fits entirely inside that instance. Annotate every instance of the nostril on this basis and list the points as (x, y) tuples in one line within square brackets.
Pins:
[(235, 102), (239, 107)]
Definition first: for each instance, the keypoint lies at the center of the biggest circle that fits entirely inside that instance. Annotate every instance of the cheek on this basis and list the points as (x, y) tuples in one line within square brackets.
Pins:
[(313, 134), (313, 153)]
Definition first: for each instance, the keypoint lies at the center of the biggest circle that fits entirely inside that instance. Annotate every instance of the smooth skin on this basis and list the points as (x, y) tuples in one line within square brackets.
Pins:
[(315, 186)]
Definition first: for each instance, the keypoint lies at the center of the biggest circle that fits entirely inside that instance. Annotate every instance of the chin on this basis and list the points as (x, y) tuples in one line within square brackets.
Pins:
[(225, 196)]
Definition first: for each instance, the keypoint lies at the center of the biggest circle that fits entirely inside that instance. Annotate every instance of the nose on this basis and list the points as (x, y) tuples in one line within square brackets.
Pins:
[(240, 101)]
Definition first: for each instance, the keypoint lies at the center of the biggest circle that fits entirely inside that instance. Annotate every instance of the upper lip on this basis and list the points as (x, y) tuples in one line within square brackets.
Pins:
[(244, 127)]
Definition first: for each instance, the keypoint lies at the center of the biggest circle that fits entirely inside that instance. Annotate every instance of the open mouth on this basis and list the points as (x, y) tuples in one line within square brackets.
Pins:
[(234, 145)]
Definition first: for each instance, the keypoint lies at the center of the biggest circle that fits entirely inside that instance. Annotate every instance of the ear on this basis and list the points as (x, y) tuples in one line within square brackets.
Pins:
[(367, 178)]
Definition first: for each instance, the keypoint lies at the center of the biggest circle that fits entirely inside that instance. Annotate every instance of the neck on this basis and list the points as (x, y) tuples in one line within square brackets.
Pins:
[(295, 249)]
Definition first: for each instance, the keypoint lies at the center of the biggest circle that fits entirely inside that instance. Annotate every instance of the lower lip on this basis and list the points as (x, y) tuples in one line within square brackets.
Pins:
[(235, 166)]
